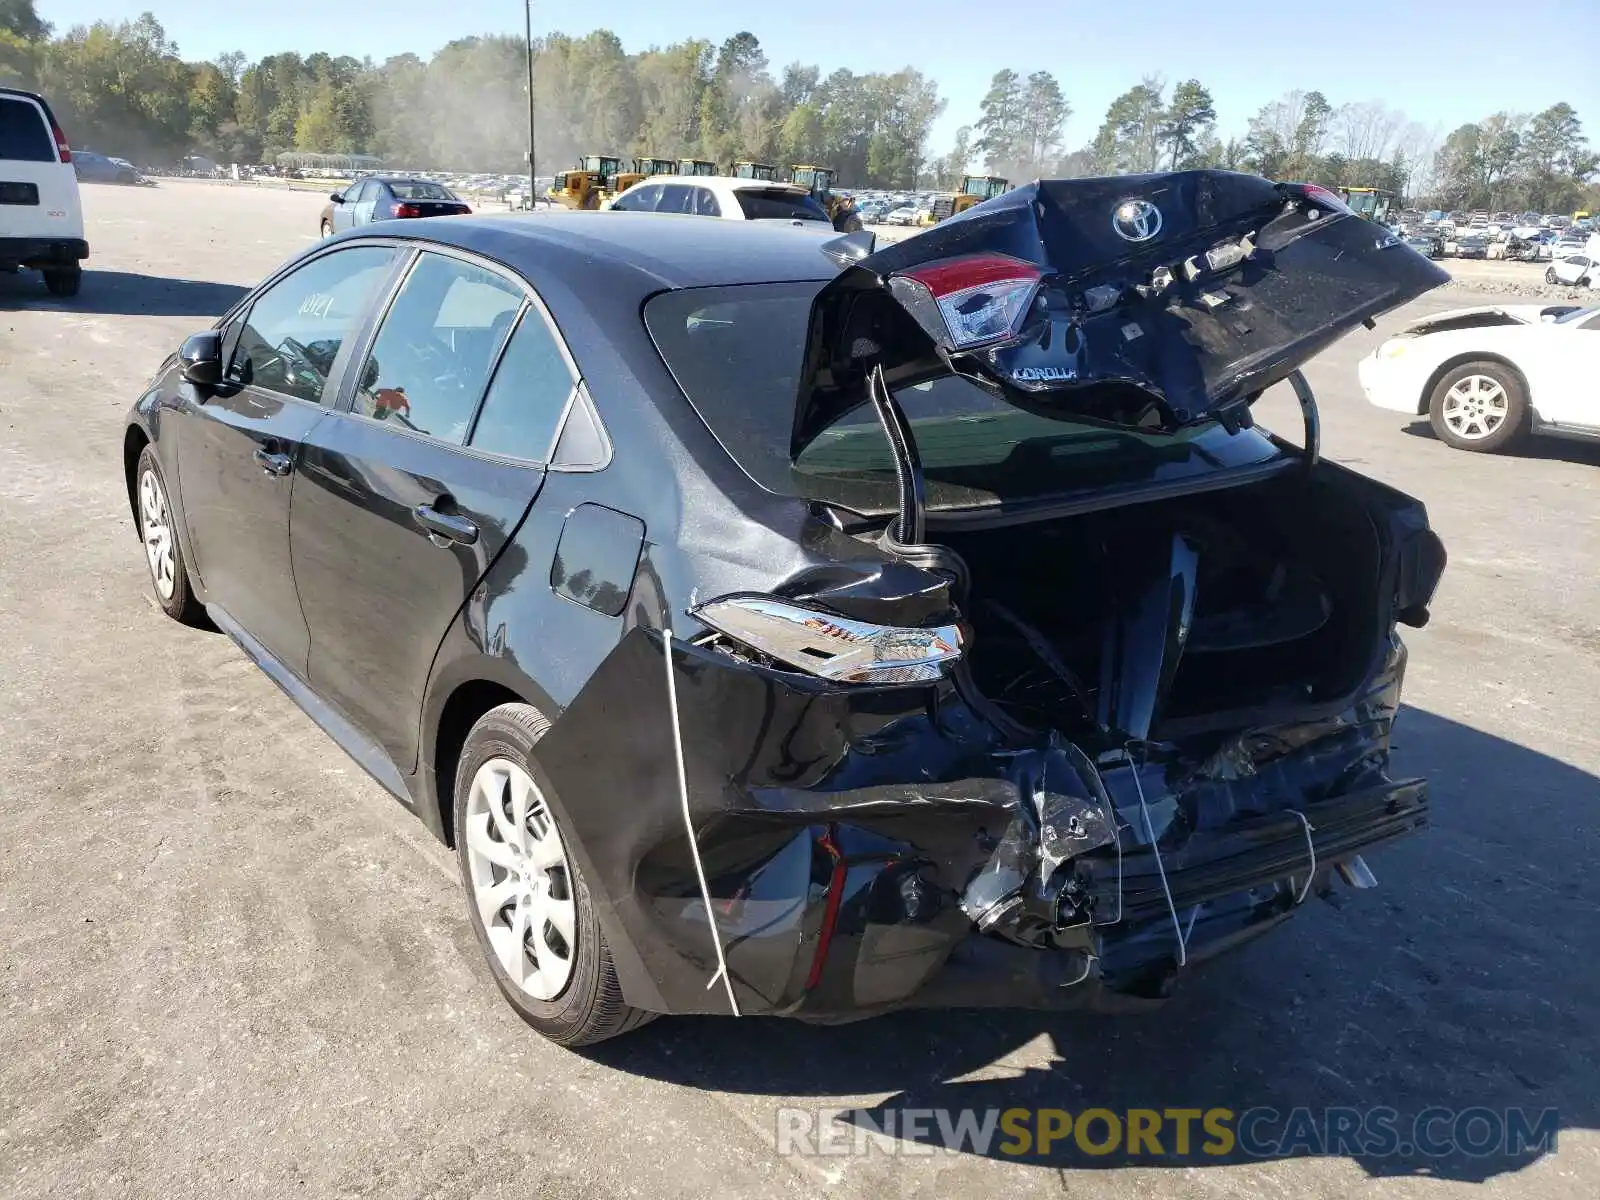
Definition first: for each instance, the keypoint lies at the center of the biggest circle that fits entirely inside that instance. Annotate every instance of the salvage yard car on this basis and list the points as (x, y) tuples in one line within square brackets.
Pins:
[(1579, 270), (777, 626), (1487, 376), (388, 198), (722, 196)]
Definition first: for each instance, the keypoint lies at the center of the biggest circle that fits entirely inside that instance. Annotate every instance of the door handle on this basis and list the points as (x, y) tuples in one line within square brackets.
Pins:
[(274, 463), (445, 525)]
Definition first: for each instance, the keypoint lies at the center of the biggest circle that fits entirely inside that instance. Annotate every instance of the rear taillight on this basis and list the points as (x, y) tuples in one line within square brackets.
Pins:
[(978, 298), (62, 148), (831, 646), (407, 210), (1323, 196)]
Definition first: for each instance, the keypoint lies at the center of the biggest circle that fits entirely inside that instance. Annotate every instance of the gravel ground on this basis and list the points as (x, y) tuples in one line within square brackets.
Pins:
[(233, 967)]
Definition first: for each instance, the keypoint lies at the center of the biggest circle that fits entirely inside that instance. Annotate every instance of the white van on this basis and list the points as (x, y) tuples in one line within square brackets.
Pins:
[(41, 216)]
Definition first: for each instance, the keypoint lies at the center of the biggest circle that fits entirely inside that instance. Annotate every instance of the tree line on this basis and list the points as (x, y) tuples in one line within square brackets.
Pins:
[(123, 88)]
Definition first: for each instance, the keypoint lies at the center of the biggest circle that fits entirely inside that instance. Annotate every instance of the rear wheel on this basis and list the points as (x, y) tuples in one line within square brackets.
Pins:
[(1549, 274), (63, 281), (527, 899), (1478, 406), (327, 229)]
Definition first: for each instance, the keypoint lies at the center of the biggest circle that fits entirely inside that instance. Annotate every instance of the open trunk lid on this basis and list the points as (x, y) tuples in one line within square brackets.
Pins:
[(1150, 301)]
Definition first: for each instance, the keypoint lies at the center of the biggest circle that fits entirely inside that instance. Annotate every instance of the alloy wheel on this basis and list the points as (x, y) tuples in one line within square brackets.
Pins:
[(155, 525), (521, 879), (1475, 407)]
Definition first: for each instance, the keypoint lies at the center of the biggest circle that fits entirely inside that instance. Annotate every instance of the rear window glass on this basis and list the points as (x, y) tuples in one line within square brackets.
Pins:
[(420, 189), (24, 136), (779, 204), (736, 351)]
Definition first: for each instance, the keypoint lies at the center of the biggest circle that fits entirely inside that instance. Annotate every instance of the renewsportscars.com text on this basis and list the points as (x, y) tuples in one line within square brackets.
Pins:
[(1183, 1133)]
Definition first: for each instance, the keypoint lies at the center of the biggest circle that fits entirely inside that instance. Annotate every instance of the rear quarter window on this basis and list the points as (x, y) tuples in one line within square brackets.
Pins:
[(24, 135)]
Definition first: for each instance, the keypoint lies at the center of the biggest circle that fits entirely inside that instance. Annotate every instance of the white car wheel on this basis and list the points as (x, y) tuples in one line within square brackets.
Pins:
[(1480, 406), (521, 879), (1475, 407), (155, 526)]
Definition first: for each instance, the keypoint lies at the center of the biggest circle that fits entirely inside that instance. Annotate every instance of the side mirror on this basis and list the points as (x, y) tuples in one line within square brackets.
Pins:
[(201, 357), (336, 197)]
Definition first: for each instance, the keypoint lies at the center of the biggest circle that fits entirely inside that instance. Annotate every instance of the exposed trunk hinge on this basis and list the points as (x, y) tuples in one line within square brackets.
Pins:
[(908, 527), (1308, 415)]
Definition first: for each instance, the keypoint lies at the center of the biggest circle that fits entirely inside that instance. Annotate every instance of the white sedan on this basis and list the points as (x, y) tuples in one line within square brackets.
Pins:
[(723, 196), (1486, 376)]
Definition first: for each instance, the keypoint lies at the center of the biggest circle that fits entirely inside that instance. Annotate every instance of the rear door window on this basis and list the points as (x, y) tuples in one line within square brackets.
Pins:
[(24, 134), (431, 359), (705, 203), (676, 198)]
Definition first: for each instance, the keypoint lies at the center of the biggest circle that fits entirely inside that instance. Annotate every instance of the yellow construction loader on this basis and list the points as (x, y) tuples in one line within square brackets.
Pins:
[(754, 170), (819, 181), (591, 184), (643, 168), (975, 189), (697, 166)]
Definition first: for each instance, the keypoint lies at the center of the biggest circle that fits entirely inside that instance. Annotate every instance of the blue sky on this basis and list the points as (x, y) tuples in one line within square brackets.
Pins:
[(1442, 64)]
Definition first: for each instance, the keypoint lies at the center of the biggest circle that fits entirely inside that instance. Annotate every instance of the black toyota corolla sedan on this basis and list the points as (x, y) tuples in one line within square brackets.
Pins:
[(773, 625)]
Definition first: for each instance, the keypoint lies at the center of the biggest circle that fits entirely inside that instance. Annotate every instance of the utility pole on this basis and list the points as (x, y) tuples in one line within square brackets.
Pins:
[(533, 169)]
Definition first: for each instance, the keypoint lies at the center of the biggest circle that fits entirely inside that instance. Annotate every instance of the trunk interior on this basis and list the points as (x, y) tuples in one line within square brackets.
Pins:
[(1178, 617)]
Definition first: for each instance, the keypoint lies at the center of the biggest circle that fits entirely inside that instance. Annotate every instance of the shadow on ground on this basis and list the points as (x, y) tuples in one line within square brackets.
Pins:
[(1469, 980), (123, 293), (1557, 449)]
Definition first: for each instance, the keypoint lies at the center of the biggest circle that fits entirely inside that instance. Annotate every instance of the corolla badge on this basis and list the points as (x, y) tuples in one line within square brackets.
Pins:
[(1043, 374), (1136, 220)]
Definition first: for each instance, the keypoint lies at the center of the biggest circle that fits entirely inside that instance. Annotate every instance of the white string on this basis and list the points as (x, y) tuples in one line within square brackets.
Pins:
[(1149, 832), (1311, 847), (1088, 965), (694, 845)]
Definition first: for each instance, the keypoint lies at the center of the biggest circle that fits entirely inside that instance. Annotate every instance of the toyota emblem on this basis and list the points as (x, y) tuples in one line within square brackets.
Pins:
[(1136, 220)]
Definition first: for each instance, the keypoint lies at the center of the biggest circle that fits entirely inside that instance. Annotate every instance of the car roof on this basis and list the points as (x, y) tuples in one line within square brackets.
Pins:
[(650, 251), (731, 183)]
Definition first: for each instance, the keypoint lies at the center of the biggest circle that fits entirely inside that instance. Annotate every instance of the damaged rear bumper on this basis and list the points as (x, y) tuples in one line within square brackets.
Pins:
[(831, 852)]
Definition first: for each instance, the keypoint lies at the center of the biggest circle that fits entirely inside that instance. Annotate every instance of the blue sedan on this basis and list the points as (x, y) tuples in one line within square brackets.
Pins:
[(388, 197)]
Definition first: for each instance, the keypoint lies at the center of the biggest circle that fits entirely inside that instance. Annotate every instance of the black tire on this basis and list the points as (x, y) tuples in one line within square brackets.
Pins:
[(1508, 431), (63, 281), (327, 229), (590, 1007), (1549, 274), (181, 605)]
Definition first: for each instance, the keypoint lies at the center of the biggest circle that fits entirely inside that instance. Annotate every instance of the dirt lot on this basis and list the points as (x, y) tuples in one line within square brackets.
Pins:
[(232, 967)]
